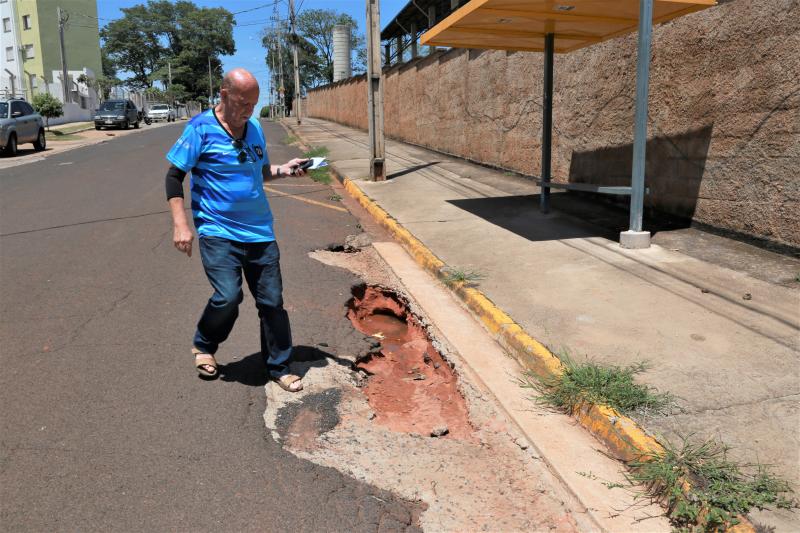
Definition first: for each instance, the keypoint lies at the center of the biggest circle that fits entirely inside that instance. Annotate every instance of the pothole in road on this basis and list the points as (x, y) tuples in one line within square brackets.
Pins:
[(410, 387), (302, 422)]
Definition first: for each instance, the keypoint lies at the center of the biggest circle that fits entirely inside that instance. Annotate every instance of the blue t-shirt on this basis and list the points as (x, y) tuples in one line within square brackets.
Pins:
[(228, 197)]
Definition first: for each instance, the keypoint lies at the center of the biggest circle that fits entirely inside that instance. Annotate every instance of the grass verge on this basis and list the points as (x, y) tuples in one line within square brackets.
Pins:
[(703, 490), (60, 136), (593, 383), (320, 175), (459, 276), (71, 128)]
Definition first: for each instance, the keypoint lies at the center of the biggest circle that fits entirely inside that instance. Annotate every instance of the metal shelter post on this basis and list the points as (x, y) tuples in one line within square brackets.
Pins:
[(547, 122), (635, 237), (377, 170)]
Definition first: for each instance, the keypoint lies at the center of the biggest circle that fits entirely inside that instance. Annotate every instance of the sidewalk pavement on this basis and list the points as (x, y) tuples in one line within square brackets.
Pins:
[(717, 320)]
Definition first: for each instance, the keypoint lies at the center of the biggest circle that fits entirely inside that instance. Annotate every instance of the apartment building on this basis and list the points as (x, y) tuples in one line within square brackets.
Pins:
[(30, 52)]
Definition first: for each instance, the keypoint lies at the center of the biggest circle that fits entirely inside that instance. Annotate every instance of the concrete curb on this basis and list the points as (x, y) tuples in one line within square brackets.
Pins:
[(622, 435)]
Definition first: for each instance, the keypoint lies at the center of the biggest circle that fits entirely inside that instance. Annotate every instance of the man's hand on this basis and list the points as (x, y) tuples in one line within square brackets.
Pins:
[(292, 168), (182, 238)]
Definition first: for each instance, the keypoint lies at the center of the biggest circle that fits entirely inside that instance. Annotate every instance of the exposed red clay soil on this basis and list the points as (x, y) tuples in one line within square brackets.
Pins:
[(411, 387)]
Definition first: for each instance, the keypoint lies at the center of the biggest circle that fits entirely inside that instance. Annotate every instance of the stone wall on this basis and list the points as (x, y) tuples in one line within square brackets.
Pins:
[(724, 124)]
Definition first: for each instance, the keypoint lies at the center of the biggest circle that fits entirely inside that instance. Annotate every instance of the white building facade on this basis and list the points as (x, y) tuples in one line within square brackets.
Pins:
[(12, 82)]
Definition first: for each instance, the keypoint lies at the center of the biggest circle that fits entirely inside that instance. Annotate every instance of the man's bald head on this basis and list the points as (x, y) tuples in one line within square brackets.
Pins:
[(239, 80), (239, 95)]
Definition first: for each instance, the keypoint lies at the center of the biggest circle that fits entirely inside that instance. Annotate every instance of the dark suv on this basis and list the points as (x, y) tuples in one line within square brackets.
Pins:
[(19, 124), (120, 113)]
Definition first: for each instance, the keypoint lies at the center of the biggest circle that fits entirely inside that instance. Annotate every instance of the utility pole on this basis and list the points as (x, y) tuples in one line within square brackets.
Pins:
[(296, 102), (377, 156), (169, 88), (282, 88), (210, 86), (63, 17)]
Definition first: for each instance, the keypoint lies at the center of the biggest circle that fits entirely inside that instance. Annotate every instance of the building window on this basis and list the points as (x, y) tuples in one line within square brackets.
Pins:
[(6, 25), (9, 53), (26, 22), (28, 51)]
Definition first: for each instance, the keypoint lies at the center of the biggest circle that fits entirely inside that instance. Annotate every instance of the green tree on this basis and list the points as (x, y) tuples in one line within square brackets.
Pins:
[(279, 52), (133, 44), (48, 106), (109, 68), (316, 25), (149, 36)]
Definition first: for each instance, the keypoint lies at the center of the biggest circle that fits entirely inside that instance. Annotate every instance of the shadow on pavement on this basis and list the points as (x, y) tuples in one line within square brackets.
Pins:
[(252, 372)]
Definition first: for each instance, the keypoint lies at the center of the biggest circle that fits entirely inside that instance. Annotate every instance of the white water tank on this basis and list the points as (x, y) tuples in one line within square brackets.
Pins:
[(342, 68)]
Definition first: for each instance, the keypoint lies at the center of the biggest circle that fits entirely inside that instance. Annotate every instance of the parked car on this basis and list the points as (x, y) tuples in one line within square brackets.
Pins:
[(161, 112), (120, 113), (20, 124)]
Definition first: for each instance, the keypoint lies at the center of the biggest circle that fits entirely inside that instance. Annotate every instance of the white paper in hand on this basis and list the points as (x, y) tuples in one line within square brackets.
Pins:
[(318, 162)]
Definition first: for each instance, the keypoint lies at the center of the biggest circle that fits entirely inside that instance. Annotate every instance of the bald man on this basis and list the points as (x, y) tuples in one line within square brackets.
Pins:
[(225, 151)]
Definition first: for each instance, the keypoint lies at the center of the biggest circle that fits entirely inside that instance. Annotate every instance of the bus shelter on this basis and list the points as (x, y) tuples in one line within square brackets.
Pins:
[(561, 27)]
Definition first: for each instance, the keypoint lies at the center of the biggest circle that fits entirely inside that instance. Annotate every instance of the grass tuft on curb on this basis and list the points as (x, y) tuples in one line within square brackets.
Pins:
[(703, 490), (320, 175), (454, 276), (290, 139), (593, 383)]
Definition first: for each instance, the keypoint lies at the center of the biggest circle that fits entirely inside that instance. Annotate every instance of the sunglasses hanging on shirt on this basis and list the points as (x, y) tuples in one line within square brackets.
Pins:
[(239, 145)]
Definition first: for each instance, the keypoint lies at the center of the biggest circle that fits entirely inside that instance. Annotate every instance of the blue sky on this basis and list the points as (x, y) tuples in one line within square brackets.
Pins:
[(249, 52)]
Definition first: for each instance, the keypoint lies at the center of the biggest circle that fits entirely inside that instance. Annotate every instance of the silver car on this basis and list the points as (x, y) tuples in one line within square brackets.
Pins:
[(161, 112), (20, 124)]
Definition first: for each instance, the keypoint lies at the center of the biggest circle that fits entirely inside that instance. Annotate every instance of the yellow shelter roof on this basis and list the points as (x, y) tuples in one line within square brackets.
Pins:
[(523, 24)]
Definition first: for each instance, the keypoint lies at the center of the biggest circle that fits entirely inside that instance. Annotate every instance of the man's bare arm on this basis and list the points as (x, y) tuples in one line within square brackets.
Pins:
[(182, 235)]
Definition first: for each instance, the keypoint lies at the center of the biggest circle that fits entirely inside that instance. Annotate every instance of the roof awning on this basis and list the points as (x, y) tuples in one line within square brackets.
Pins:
[(523, 24)]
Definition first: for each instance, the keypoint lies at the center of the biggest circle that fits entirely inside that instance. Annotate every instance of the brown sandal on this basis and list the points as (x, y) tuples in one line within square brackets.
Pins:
[(204, 360), (287, 380)]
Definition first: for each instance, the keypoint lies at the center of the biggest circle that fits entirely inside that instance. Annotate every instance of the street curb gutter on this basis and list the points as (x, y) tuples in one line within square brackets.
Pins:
[(626, 440)]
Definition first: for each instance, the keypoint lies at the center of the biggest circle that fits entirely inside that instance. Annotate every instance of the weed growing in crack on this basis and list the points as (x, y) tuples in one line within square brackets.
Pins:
[(703, 490), (290, 139), (593, 383), (454, 276), (335, 198)]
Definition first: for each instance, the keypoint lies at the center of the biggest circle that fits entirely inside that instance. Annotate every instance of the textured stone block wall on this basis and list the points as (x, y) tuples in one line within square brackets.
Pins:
[(724, 125)]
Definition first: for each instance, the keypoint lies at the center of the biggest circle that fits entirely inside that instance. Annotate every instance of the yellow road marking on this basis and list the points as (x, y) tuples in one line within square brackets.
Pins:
[(306, 200)]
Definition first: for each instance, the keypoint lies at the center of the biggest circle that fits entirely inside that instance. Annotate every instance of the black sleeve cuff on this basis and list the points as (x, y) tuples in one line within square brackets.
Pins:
[(174, 182)]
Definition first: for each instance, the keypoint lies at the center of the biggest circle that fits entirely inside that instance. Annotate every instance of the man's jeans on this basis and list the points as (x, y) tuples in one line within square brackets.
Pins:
[(224, 261)]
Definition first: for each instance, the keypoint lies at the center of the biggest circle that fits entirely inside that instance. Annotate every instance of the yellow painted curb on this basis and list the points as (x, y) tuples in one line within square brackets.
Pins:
[(621, 434)]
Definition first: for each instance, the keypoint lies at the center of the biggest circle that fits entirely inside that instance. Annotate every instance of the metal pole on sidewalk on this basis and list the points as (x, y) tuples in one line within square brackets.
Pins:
[(65, 87), (635, 237), (377, 156), (210, 86), (547, 122), (296, 102)]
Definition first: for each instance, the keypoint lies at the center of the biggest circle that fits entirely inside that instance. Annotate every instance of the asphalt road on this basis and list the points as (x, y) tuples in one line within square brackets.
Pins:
[(105, 424)]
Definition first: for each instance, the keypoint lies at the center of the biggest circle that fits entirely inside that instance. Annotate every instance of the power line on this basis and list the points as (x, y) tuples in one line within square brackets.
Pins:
[(89, 16), (254, 8)]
